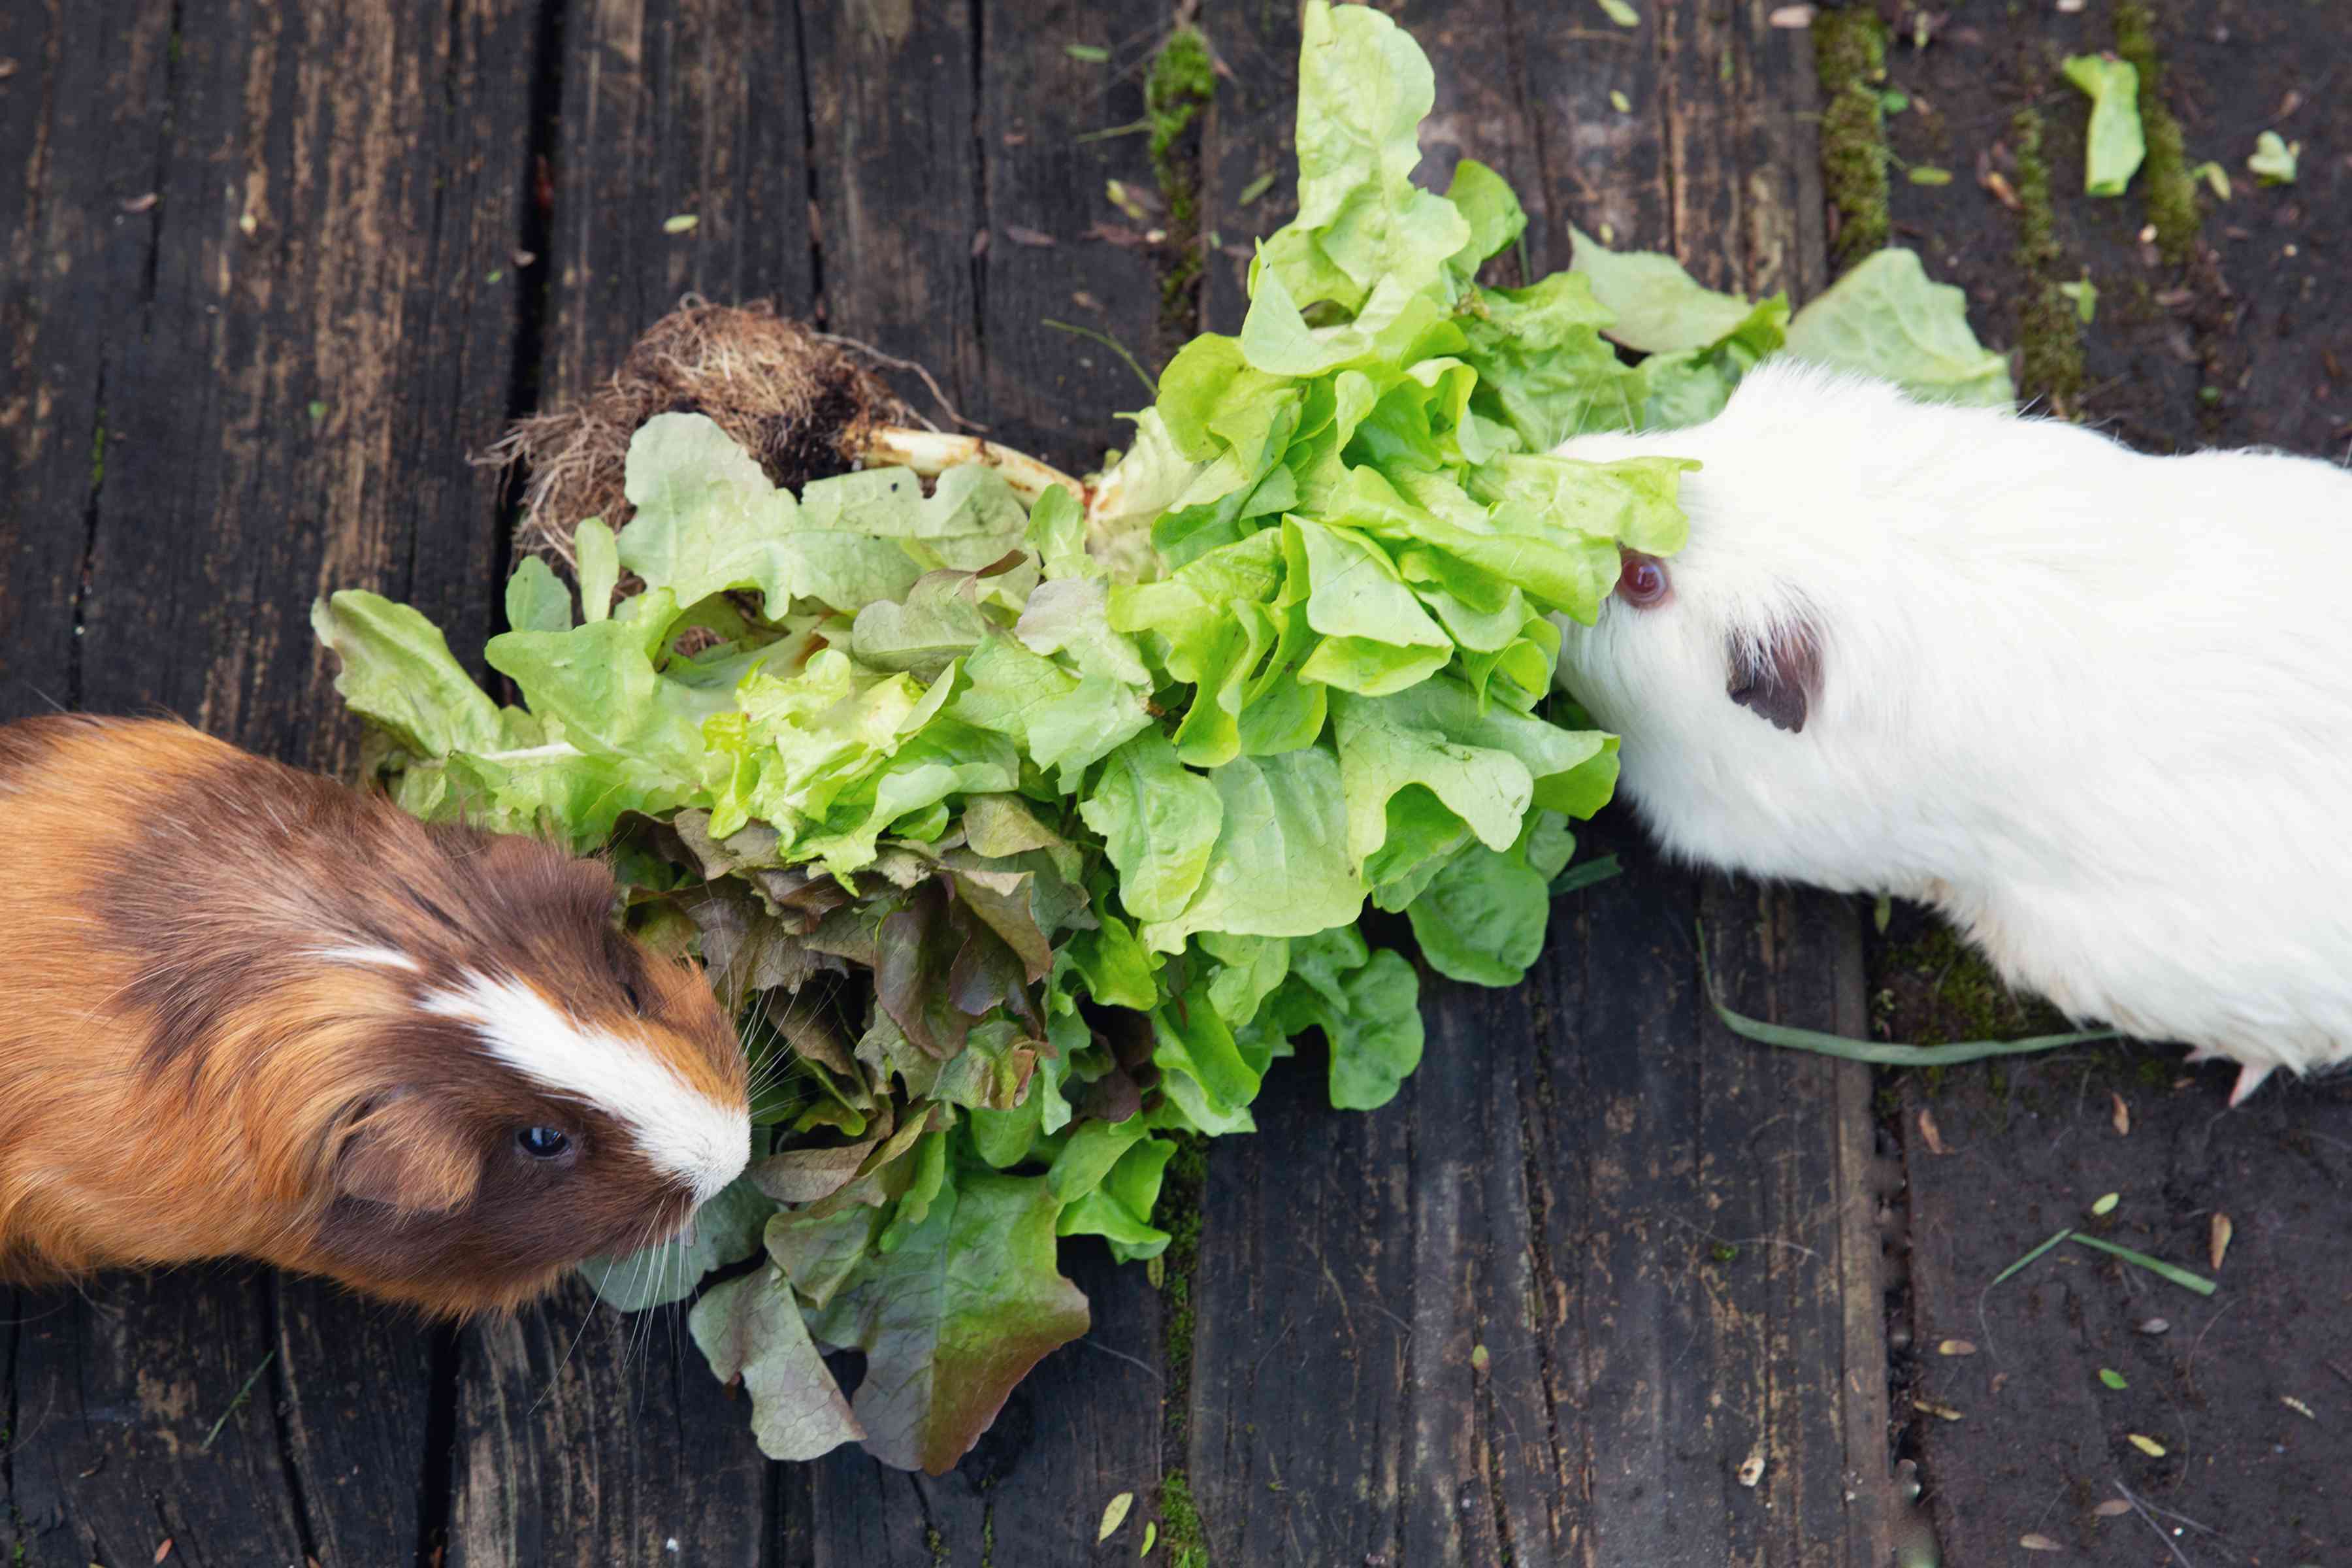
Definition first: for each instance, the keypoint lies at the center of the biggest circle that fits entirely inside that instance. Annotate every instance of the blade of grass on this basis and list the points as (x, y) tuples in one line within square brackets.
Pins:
[(1584, 875), (2030, 1258), (235, 1402), (1877, 1052), (1114, 346), (2157, 1265)]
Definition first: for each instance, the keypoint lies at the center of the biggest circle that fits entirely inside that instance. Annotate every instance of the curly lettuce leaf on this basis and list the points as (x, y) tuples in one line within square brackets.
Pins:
[(953, 1317)]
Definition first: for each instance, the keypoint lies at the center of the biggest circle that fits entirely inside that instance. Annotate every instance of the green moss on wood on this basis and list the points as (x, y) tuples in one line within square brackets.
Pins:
[(1182, 83), (1850, 55), (2170, 190), (1180, 1523), (2049, 329), (1182, 1190), (1943, 990)]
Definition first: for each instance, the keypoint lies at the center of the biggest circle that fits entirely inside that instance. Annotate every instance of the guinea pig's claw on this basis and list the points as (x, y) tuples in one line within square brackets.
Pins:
[(2250, 1079)]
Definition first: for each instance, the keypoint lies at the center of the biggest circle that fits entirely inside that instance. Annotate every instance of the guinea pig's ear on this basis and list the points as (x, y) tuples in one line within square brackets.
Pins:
[(1778, 676), (398, 1154)]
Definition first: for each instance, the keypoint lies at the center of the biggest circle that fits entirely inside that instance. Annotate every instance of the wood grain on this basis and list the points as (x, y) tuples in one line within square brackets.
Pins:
[(673, 109), (1047, 390), (894, 115), (589, 1438)]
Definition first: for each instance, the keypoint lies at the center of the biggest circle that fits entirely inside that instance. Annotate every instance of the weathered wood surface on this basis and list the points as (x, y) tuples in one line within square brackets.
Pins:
[(1599, 1253), (253, 329)]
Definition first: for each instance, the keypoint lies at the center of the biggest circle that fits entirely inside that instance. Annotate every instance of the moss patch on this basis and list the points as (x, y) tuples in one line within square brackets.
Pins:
[(2049, 329), (1182, 83), (1180, 1523), (2170, 190), (1933, 989), (1178, 1212), (1850, 54)]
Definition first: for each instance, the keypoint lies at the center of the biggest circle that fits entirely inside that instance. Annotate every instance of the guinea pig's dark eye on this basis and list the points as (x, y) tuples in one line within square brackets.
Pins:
[(629, 992), (1642, 581), (542, 1142)]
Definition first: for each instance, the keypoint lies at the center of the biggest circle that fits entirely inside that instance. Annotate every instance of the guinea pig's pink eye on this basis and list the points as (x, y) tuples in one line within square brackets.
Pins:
[(1642, 580), (542, 1142)]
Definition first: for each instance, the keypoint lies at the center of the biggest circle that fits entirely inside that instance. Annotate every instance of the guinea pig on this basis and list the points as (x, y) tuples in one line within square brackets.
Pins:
[(2094, 706), (249, 1011)]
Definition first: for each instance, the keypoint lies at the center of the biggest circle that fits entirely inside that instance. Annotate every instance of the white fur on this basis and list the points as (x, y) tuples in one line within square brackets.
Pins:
[(2095, 706), (703, 1140), (382, 957)]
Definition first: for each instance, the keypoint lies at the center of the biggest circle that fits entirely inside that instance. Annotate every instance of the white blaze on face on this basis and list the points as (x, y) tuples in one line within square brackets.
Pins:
[(704, 1141)]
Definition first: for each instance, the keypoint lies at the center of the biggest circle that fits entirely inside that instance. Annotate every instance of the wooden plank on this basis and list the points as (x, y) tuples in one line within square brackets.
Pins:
[(893, 112), (297, 412), (671, 112), (1047, 391), (223, 420), (1249, 148), (1497, 1305), (588, 1438), (116, 1396), (2232, 70), (2041, 1439), (84, 122)]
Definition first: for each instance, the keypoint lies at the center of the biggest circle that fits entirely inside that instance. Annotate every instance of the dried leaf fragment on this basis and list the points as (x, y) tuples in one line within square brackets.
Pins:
[(2113, 1508), (681, 223), (2219, 1246), (2035, 1540), (1943, 1411), (1752, 1469), (2298, 1406), (2148, 1445), (1930, 1133), (1792, 16), (1957, 1347), (2123, 1115), (1114, 1515), (162, 1551), (2155, 1326), (2004, 193), (1030, 236), (141, 203)]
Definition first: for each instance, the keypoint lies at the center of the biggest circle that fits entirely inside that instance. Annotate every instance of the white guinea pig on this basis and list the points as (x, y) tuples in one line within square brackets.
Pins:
[(2094, 706)]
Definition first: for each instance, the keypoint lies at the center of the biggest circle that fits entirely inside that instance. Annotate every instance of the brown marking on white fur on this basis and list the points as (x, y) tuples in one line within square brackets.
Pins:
[(184, 1073)]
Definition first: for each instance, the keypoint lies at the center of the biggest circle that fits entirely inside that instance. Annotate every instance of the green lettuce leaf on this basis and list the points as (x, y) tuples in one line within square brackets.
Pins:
[(752, 1331), (2115, 146), (1654, 304), (1885, 319), (953, 1317)]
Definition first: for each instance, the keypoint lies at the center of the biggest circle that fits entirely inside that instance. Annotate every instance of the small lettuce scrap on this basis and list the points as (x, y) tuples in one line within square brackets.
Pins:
[(1026, 840)]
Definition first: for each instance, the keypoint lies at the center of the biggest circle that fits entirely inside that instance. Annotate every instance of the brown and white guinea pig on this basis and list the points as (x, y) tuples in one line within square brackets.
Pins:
[(2094, 706), (249, 1011)]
